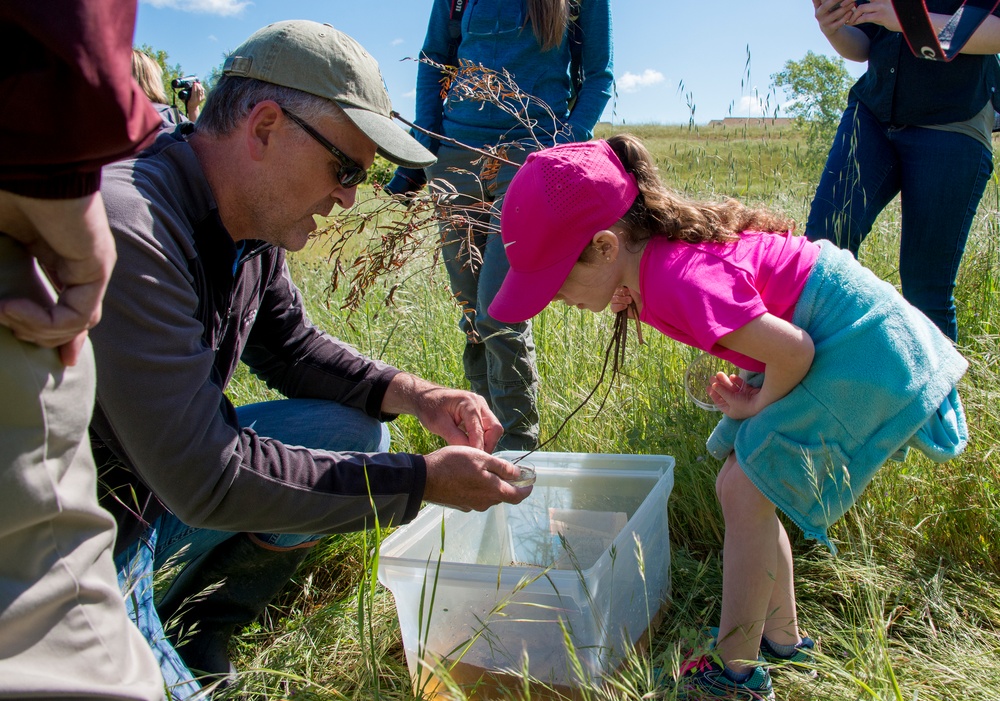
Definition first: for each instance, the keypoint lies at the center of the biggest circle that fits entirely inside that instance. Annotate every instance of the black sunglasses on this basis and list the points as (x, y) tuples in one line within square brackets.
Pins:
[(350, 173)]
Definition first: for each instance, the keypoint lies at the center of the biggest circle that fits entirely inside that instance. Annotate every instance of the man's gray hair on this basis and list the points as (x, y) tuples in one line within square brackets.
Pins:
[(233, 98)]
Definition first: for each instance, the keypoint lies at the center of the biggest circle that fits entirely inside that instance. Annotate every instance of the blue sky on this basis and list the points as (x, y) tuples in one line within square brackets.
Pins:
[(717, 55)]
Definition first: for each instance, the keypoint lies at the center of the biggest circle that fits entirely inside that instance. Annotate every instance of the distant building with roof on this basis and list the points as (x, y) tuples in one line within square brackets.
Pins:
[(740, 122)]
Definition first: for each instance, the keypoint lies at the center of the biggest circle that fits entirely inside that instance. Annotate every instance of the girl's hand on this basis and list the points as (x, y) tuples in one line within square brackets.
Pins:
[(733, 396), (833, 14), (879, 12), (622, 299)]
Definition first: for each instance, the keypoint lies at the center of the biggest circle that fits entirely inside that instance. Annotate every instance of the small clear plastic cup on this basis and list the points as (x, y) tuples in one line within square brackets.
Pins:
[(527, 477)]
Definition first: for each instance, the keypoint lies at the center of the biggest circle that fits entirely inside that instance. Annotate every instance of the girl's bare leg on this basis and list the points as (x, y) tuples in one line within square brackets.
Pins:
[(781, 625), (756, 574)]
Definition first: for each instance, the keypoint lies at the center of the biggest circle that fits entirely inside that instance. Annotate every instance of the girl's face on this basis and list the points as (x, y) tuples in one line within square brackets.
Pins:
[(593, 280)]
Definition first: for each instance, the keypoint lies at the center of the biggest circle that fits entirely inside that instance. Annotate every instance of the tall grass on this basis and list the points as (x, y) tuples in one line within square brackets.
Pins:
[(908, 609)]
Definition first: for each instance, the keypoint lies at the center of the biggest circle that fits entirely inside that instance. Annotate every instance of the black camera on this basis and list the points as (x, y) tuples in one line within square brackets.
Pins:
[(184, 85)]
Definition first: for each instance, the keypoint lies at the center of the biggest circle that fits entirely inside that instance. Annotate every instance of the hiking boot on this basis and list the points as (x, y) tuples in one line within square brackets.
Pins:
[(226, 588), (704, 679)]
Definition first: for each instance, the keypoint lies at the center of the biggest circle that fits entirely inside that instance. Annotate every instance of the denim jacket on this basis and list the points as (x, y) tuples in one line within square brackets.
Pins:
[(496, 35), (901, 89)]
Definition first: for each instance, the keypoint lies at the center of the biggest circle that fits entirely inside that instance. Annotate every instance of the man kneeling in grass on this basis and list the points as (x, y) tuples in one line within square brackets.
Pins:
[(238, 494)]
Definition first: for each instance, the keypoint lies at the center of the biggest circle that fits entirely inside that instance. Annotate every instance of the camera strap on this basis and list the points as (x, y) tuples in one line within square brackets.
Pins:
[(925, 42)]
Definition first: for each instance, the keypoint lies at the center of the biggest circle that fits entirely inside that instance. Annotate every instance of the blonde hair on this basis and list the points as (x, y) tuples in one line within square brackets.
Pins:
[(549, 20), (148, 75), (659, 212)]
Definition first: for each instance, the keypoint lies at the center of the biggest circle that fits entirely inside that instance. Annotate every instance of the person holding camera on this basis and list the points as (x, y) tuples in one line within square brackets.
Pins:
[(64, 632), (148, 73), (191, 92), (913, 127), (238, 495)]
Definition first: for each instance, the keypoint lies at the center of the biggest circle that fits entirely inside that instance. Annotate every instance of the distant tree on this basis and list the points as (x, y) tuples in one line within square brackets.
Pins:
[(818, 86), (212, 79)]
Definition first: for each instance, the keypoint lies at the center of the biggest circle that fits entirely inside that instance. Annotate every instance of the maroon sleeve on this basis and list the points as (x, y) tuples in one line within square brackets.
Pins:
[(68, 102)]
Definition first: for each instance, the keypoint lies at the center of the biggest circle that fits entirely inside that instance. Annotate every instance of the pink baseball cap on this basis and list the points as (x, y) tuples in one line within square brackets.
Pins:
[(555, 204)]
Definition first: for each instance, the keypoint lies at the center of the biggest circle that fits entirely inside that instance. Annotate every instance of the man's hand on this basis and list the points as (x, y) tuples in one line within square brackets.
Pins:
[(470, 479), (460, 417), (73, 244)]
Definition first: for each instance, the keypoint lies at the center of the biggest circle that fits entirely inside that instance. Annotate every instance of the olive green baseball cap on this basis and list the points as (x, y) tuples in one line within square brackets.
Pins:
[(320, 60)]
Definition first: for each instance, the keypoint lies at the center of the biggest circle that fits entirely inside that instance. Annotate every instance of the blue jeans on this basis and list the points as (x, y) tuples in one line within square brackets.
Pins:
[(313, 423), (940, 177), (499, 359)]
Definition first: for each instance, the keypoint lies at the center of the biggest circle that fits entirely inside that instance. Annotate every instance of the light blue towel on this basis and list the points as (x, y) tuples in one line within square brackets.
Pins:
[(883, 379)]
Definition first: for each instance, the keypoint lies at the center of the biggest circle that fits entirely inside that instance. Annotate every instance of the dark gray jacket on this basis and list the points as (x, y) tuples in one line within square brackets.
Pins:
[(177, 321)]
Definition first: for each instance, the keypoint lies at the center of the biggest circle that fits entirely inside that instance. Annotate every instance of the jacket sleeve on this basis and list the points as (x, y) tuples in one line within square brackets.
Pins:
[(68, 102), (429, 108), (292, 356), (164, 412), (429, 111), (598, 73)]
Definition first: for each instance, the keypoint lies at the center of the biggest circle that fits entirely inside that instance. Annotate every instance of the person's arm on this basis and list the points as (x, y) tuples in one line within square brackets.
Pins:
[(787, 353), (292, 356), (429, 106), (162, 406), (460, 417), (193, 105), (78, 107), (835, 20), (597, 63), (71, 240), (985, 40)]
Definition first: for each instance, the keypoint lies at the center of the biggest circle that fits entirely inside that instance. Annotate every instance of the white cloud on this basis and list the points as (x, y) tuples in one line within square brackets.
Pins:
[(397, 42), (225, 8), (749, 106), (410, 94), (630, 82)]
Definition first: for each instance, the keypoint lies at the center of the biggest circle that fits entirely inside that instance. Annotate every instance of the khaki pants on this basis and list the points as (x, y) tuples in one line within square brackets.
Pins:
[(63, 628)]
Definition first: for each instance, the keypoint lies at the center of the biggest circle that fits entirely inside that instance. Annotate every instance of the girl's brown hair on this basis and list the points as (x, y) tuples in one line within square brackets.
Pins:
[(659, 212), (549, 19)]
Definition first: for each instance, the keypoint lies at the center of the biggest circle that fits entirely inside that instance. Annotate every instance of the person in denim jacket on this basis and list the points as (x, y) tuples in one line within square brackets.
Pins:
[(913, 127), (533, 41)]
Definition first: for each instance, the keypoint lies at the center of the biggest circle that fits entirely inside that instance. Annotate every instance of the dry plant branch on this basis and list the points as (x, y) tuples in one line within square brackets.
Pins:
[(397, 231), (393, 231)]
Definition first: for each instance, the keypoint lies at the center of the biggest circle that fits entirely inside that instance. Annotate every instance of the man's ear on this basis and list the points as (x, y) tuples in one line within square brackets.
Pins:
[(606, 245), (261, 125)]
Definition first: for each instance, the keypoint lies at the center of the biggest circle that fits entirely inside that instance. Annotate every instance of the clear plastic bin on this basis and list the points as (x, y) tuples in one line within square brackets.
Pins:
[(584, 559)]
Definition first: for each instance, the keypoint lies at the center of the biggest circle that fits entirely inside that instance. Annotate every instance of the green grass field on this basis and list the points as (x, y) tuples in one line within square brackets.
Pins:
[(907, 611)]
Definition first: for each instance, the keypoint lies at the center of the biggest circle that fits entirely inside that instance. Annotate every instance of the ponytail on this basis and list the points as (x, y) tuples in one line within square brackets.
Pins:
[(659, 212)]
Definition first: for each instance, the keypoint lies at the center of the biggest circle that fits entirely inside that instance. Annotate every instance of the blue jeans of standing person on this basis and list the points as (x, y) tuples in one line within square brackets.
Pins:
[(499, 359), (940, 177), (313, 423)]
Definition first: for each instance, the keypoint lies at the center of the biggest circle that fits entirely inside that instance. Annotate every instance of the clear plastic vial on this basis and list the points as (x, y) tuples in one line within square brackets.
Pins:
[(527, 477)]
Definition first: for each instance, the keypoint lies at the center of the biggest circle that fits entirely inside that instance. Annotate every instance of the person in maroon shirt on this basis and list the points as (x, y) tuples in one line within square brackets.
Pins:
[(63, 627)]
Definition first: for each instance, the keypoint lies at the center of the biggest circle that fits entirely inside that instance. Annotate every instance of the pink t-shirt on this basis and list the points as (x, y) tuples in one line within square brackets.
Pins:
[(697, 293)]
